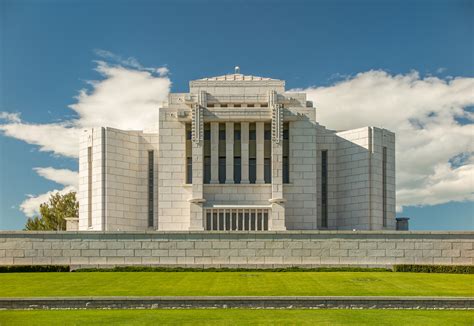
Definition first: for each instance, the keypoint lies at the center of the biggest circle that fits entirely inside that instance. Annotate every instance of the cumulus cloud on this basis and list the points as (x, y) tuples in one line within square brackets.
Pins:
[(125, 98), (65, 177), (432, 121), (30, 206), (58, 138), (10, 117), (431, 116)]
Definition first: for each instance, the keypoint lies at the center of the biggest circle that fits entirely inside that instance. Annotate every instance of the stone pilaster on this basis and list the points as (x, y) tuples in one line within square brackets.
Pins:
[(196, 211), (278, 202), (260, 129), (214, 152), (244, 151), (229, 152)]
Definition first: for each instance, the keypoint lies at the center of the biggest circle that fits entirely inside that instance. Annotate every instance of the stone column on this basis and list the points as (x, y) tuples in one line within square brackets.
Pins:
[(260, 129), (244, 152), (197, 199), (229, 152), (214, 152), (278, 202)]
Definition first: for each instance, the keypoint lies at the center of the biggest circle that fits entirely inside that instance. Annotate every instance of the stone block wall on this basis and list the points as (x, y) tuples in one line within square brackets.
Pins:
[(237, 249), (301, 192), (238, 194), (119, 179), (359, 179), (91, 138), (173, 194)]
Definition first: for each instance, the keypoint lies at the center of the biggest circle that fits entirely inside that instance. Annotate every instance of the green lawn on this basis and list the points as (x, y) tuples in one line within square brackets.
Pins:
[(235, 283), (237, 317)]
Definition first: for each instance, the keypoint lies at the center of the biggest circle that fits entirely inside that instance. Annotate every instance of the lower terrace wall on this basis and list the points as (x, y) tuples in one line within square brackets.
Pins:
[(236, 249)]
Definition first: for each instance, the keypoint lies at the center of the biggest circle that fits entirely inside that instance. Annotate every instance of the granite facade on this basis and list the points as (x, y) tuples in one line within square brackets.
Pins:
[(237, 123), (237, 249)]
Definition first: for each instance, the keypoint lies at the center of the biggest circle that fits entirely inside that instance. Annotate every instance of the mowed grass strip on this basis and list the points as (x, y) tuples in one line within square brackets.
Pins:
[(235, 284), (237, 317)]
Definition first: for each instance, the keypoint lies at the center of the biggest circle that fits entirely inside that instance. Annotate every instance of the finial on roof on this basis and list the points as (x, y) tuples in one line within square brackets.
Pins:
[(237, 69)]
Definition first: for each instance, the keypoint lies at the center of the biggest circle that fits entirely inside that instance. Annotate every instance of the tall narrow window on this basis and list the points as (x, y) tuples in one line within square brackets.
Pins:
[(384, 186), (189, 155), (222, 169), (267, 153), (89, 186), (324, 189), (286, 153), (252, 153), (222, 153), (207, 153), (237, 154), (150, 188), (252, 170)]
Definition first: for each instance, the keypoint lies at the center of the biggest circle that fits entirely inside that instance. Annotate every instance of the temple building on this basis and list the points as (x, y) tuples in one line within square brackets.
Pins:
[(237, 153)]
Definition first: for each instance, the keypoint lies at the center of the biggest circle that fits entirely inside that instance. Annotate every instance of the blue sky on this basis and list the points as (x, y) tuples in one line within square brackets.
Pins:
[(49, 51)]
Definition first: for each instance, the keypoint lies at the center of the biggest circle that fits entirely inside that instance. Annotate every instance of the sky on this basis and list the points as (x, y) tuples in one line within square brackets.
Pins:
[(407, 66)]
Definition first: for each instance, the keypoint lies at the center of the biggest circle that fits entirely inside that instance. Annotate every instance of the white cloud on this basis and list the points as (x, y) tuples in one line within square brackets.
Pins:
[(64, 177), (10, 117), (130, 62), (30, 206), (424, 113), (125, 98), (59, 138)]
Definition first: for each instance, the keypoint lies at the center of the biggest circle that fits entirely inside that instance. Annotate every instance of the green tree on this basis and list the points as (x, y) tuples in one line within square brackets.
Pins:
[(53, 213)]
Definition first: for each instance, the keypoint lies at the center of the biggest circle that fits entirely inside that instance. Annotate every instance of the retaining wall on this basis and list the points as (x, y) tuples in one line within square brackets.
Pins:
[(253, 302), (237, 249)]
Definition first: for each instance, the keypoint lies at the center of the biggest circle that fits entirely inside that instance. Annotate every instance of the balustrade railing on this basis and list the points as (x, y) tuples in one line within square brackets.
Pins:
[(236, 219)]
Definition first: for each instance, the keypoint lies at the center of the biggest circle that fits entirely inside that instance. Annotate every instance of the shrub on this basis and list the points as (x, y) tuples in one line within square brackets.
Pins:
[(34, 268), (453, 269)]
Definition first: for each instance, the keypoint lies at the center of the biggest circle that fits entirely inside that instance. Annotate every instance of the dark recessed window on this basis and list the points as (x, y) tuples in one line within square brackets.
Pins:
[(324, 189), (264, 105), (207, 135), (210, 105), (221, 134), (223, 105), (189, 170), (384, 186), (150, 188), (267, 170), (286, 170), (252, 170), (222, 170), (252, 135), (267, 135), (286, 153), (237, 170), (207, 169), (237, 105), (236, 134), (250, 105)]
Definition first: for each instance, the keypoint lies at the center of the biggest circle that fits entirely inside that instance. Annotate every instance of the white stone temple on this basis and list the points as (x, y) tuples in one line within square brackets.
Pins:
[(237, 153)]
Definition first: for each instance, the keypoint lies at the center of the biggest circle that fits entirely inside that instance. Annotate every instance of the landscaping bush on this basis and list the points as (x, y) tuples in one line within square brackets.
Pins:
[(34, 268), (183, 269), (452, 269)]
